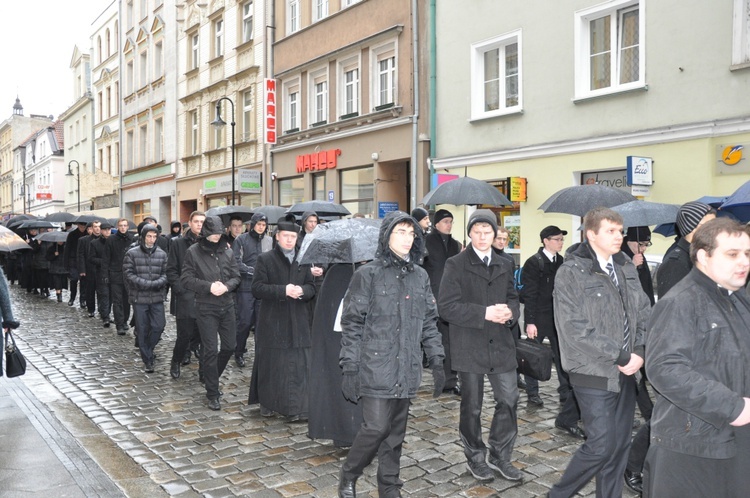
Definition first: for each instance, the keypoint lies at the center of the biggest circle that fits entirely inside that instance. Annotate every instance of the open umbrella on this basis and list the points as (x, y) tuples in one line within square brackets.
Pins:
[(17, 220), (53, 236), (89, 218), (60, 217), (36, 224), (321, 208), (10, 241), (580, 199), (667, 229), (226, 212), (645, 213), (273, 213), (738, 204), (341, 241), (466, 191)]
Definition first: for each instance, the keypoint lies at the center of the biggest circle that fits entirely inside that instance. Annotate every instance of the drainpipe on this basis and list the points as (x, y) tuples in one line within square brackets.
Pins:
[(433, 85), (122, 29), (415, 118)]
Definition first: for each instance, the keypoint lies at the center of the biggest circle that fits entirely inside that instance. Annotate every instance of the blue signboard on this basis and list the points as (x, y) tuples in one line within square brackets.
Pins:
[(386, 207), (330, 196)]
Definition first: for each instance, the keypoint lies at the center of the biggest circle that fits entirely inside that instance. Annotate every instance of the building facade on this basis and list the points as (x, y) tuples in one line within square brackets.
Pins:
[(39, 162), (351, 95), (565, 98), (148, 111)]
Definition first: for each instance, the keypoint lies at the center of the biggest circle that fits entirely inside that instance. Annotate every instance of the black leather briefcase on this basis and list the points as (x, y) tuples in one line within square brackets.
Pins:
[(534, 359)]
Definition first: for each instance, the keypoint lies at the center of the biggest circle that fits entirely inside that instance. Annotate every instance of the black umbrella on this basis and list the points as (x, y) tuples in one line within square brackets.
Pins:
[(466, 191), (36, 224), (60, 216), (89, 218), (273, 213), (645, 213), (581, 199), (341, 241), (667, 229), (321, 208), (226, 212), (738, 204), (53, 236), (10, 241), (17, 220)]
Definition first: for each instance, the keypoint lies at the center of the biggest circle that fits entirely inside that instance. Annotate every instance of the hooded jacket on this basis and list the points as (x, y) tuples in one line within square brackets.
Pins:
[(182, 304), (389, 315), (145, 271), (175, 223), (246, 248), (590, 321), (207, 262)]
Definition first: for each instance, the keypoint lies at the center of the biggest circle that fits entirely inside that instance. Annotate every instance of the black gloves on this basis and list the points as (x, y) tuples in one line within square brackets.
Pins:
[(350, 386), (10, 324), (438, 376)]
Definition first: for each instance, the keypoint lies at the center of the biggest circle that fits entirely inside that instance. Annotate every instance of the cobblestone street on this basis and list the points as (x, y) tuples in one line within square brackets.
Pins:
[(162, 431)]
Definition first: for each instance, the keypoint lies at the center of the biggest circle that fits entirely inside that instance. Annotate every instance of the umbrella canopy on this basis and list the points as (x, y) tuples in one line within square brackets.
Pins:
[(466, 191), (668, 229), (89, 218), (10, 241), (36, 224), (17, 220), (60, 217), (273, 213), (738, 204), (580, 199), (645, 213), (321, 208), (341, 241), (226, 212), (54, 236)]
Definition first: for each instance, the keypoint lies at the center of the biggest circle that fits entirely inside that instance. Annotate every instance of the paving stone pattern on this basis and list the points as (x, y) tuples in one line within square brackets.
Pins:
[(189, 450)]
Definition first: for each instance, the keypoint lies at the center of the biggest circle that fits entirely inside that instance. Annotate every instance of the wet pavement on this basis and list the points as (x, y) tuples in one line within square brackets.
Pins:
[(106, 428)]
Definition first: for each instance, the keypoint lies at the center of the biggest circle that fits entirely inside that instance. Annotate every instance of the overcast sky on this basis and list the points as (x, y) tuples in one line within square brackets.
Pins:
[(37, 39)]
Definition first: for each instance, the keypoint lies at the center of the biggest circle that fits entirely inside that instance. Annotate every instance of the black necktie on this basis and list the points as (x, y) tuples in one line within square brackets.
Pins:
[(626, 325), (486, 260)]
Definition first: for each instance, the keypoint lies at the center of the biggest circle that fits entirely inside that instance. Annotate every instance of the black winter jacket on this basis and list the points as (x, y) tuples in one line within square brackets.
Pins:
[(71, 248), (114, 252), (206, 263), (96, 254), (674, 267), (389, 316), (246, 249), (56, 263), (145, 273), (85, 262), (437, 255), (182, 304), (697, 357), (538, 277)]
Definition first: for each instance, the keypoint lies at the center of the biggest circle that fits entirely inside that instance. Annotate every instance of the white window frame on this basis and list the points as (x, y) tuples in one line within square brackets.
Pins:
[(477, 57), (317, 90), (292, 102), (319, 10), (195, 135), (741, 33), (292, 16), (218, 31), (582, 34), (143, 68), (247, 21), (346, 66), (195, 50), (380, 53), (143, 158), (158, 59), (158, 154), (347, 3), (248, 114)]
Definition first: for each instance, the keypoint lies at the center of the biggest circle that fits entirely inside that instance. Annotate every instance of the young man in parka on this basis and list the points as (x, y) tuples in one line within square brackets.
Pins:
[(389, 315)]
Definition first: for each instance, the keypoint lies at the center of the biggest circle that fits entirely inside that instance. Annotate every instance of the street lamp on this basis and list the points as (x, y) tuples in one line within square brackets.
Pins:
[(218, 123), (78, 179)]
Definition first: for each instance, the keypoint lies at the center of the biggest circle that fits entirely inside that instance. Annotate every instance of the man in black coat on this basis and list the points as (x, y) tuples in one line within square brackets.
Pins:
[(479, 300), (97, 253), (182, 305), (87, 265), (440, 246), (70, 258), (211, 272), (145, 271), (114, 253)]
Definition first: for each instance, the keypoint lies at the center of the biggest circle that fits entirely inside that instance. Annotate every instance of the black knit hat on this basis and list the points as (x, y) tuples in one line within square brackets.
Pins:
[(689, 215), (441, 214), (483, 216), (419, 213)]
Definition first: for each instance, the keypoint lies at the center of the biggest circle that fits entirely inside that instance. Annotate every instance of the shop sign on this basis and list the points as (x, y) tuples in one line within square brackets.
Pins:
[(613, 178), (248, 182), (441, 178), (731, 159), (517, 189), (640, 170), (43, 192), (317, 161), (269, 97), (386, 207)]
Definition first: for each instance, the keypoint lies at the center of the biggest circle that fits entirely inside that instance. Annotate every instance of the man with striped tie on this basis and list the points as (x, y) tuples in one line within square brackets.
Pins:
[(601, 314)]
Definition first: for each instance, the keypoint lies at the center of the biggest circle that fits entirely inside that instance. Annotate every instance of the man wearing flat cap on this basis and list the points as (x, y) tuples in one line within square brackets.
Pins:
[(479, 301)]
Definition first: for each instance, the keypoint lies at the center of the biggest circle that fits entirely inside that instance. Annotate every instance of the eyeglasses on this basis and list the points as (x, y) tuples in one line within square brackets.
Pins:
[(404, 233), (644, 244), (557, 239)]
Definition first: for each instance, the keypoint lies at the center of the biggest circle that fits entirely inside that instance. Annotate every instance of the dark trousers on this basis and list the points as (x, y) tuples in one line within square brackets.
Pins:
[(382, 433), (669, 474), (608, 418), (215, 323), (639, 448), (74, 278), (504, 426), (645, 405), (89, 290), (186, 329), (120, 305), (102, 299), (247, 313), (451, 376), (149, 324)]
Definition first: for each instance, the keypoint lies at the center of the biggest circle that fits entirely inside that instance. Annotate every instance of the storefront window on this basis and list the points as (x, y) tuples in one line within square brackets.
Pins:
[(247, 200), (357, 190), (319, 181), (291, 191), (141, 210), (510, 218)]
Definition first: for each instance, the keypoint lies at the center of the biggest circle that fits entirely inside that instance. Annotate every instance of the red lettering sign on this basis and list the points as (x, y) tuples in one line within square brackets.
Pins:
[(270, 109), (317, 161)]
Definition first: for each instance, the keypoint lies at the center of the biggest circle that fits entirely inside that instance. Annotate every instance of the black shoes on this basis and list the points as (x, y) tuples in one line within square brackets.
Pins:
[(480, 471), (59, 298), (240, 361), (105, 323), (453, 390), (186, 358), (572, 430), (71, 302), (91, 314), (347, 487), (634, 480), (534, 399), (521, 384), (174, 371), (214, 404), (121, 331), (150, 367), (506, 469)]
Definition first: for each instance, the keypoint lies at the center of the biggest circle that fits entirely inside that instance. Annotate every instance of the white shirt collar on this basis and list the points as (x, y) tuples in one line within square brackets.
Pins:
[(483, 254), (549, 255)]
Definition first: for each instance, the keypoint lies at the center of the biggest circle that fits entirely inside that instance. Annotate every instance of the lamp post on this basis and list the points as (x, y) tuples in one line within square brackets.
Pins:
[(78, 179), (218, 123)]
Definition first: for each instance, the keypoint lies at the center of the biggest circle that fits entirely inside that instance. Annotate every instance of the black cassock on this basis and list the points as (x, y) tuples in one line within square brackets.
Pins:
[(331, 416)]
